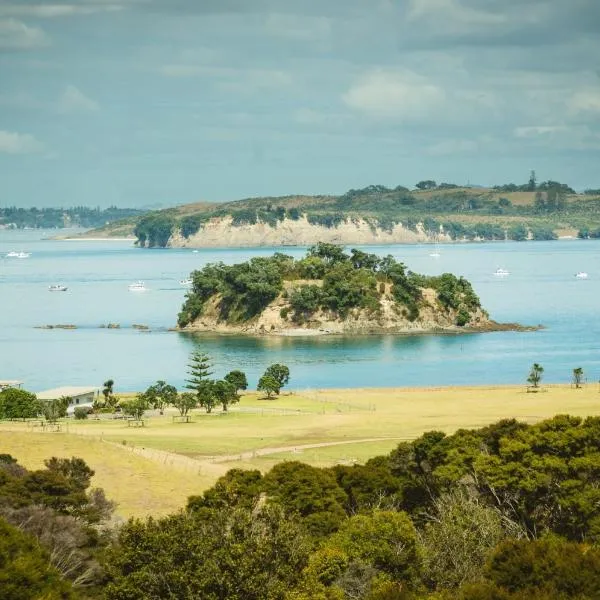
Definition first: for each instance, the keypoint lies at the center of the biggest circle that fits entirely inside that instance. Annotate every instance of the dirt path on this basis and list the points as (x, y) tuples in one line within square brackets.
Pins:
[(214, 465)]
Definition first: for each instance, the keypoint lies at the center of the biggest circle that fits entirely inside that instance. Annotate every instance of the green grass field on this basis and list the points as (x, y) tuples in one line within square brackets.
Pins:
[(152, 469)]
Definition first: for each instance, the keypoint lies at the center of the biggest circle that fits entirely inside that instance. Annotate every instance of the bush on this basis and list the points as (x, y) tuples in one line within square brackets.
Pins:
[(81, 413)]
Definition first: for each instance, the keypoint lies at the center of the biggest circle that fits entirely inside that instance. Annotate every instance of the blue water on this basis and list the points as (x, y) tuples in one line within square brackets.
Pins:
[(541, 289)]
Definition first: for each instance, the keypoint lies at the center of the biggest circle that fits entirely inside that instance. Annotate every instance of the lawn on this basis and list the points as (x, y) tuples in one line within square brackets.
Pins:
[(152, 469)]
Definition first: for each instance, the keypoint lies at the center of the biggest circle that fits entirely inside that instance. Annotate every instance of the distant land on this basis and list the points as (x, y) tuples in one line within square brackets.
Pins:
[(373, 215)]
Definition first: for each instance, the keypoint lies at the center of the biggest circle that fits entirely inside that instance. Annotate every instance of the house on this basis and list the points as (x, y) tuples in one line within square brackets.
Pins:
[(9, 383), (78, 396)]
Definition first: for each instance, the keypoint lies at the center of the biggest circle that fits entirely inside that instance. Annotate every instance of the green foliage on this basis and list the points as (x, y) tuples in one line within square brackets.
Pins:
[(311, 493), (25, 571), (210, 554), (535, 375), (198, 371), (160, 395), (81, 413), (237, 379), (577, 377), (154, 230), (19, 404), (185, 402), (280, 373), (269, 385), (225, 393), (137, 407), (305, 300), (237, 488), (55, 409), (190, 225)]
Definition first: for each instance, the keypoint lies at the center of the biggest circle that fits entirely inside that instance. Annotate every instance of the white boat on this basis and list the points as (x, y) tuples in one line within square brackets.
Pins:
[(499, 272), (194, 251), (57, 287), (581, 275), (435, 254), (18, 255), (186, 282), (138, 286)]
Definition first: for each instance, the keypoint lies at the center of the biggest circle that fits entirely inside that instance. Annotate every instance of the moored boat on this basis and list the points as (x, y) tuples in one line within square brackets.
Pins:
[(138, 286), (57, 287)]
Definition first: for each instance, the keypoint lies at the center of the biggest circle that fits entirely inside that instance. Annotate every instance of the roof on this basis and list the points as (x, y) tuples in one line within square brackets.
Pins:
[(10, 382), (67, 390)]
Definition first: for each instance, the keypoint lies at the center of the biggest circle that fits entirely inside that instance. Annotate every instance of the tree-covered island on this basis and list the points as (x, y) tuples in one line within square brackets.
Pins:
[(328, 291)]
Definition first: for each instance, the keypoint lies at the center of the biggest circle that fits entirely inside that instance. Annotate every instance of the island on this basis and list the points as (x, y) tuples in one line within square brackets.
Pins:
[(329, 291)]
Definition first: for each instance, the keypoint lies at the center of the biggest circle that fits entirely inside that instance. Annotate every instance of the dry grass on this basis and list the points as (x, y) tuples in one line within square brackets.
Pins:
[(162, 463)]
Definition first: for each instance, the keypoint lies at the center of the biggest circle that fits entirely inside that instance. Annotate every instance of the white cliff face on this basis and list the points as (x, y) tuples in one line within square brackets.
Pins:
[(220, 232)]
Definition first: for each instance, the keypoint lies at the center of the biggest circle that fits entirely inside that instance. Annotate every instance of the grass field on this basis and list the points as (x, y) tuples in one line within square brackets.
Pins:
[(152, 469)]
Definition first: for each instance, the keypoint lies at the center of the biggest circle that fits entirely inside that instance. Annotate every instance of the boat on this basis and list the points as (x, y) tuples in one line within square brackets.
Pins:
[(18, 255), (581, 275), (435, 254), (499, 272), (57, 287), (186, 282), (138, 286)]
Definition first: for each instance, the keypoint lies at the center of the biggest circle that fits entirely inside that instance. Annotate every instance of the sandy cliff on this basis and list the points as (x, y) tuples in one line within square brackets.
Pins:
[(221, 232)]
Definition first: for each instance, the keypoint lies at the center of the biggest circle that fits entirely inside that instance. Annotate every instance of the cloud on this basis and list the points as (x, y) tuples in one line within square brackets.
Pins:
[(399, 94), (75, 101), (296, 27), (12, 142), (452, 13), (39, 10), (453, 147), (15, 35), (535, 131), (585, 101)]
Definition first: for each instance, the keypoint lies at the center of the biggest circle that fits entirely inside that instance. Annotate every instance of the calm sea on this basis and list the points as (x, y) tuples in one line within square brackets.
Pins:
[(541, 289)]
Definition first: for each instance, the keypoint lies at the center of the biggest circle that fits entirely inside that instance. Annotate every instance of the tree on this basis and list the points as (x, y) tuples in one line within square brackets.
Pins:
[(206, 394), (535, 375), (19, 404), (137, 407), (280, 373), (107, 392), (269, 385), (237, 379), (225, 393), (578, 377), (198, 371), (531, 185), (160, 395), (185, 402), (427, 184), (55, 409)]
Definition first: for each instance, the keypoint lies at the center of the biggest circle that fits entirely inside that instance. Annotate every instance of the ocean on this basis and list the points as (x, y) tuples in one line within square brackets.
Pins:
[(541, 289)]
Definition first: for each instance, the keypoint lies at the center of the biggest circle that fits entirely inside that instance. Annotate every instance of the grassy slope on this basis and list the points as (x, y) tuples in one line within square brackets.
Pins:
[(258, 433)]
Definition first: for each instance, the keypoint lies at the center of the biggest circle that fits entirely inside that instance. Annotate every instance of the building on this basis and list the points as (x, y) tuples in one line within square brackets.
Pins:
[(78, 396), (9, 383)]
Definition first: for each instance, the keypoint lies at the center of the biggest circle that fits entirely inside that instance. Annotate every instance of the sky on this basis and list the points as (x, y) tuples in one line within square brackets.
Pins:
[(147, 103)]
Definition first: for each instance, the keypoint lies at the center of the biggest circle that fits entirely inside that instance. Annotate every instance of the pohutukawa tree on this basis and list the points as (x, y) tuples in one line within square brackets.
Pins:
[(160, 395)]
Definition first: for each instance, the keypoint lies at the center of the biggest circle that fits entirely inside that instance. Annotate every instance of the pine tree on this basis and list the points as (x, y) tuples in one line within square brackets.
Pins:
[(198, 371)]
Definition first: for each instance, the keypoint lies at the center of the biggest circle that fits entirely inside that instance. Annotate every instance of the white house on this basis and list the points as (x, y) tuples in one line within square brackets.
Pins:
[(78, 396), (9, 383)]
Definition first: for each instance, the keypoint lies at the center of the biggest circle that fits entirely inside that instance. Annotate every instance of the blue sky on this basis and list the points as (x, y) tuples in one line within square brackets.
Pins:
[(161, 102)]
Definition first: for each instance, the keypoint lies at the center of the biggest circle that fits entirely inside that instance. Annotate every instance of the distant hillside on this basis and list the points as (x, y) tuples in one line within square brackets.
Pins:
[(328, 291), (373, 215)]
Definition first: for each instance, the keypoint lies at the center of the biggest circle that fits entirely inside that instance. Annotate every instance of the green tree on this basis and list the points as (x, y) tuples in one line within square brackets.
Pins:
[(160, 395), (55, 409), (25, 571), (198, 371), (535, 375), (225, 393), (577, 377), (280, 373), (532, 184), (237, 379), (269, 385), (137, 407), (185, 402), (19, 404), (207, 395), (108, 392), (427, 184)]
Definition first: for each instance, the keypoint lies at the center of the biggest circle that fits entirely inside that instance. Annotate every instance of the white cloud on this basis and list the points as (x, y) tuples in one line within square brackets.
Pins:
[(395, 94), (452, 13), (585, 101), (16, 35), (452, 147), (534, 131), (64, 9), (12, 142), (298, 27), (75, 101)]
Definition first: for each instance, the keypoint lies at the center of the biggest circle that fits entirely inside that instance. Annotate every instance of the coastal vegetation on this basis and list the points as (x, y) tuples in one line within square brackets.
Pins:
[(57, 218), (327, 282), (506, 511), (444, 211)]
